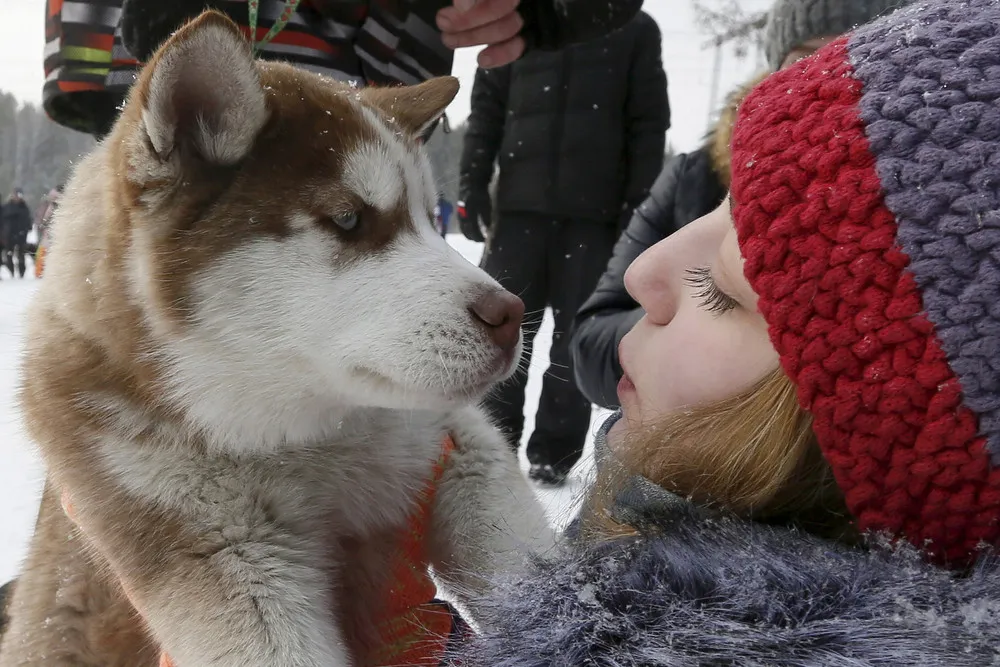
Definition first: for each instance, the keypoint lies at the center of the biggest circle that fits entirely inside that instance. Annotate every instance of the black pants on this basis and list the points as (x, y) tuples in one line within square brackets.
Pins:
[(555, 263), (15, 247)]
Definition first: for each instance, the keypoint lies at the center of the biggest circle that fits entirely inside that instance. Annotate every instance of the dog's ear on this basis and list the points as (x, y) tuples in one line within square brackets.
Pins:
[(413, 108), (202, 88)]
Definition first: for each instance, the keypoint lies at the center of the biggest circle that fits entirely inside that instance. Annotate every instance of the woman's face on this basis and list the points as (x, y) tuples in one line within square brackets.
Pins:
[(702, 339)]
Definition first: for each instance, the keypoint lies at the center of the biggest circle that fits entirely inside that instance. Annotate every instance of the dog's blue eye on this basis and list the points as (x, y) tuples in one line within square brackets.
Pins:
[(347, 221)]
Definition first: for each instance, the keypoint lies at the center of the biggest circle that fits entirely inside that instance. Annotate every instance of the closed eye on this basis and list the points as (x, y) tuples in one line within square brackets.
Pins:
[(710, 297)]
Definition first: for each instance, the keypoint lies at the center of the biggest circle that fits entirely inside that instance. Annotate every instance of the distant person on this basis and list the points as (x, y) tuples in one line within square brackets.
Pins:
[(692, 185), (442, 211), (5, 593), (579, 138), (15, 224), (43, 226)]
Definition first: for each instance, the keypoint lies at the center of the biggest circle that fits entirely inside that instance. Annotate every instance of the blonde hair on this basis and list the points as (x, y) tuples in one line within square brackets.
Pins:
[(754, 455)]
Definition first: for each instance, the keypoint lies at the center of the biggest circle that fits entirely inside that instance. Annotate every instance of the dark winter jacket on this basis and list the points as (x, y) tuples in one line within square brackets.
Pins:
[(357, 40), (15, 222), (703, 589), (689, 186), (578, 133)]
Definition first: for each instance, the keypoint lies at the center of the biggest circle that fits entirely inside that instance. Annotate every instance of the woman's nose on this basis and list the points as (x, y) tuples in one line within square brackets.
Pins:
[(651, 280)]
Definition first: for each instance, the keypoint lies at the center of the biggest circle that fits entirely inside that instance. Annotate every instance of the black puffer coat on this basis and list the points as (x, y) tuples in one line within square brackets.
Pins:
[(578, 133), (15, 223), (689, 186), (701, 588)]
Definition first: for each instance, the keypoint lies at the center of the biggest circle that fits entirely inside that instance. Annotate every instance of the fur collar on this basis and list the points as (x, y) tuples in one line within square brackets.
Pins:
[(698, 588), (720, 136), (727, 592)]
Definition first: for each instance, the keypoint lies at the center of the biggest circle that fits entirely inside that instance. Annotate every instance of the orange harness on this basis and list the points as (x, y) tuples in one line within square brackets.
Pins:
[(414, 628)]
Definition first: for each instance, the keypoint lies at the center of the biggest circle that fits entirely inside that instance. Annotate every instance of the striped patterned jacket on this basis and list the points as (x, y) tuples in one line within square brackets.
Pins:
[(88, 70)]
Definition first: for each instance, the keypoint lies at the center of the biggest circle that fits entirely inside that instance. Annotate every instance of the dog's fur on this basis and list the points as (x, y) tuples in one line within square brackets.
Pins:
[(241, 399)]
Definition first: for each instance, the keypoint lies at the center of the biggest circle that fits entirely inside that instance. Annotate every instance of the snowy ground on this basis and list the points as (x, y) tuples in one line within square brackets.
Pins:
[(21, 471)]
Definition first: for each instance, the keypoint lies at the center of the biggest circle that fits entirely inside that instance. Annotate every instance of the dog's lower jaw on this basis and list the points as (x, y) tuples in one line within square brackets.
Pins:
[(504, 365), (444, 392), (278, 400)]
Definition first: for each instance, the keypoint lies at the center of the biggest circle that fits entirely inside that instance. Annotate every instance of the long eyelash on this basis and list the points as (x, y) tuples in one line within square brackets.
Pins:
[(710, 297)]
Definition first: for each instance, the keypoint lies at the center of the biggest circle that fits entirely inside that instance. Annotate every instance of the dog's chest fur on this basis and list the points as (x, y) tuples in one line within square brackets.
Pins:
[(361, 480), (340, 506)]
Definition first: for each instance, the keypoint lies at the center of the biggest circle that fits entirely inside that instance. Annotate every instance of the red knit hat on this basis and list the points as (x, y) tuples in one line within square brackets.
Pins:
[(866, 193)]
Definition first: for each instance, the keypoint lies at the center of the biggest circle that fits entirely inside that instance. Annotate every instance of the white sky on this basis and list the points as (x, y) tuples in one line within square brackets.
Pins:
[(689, 68)]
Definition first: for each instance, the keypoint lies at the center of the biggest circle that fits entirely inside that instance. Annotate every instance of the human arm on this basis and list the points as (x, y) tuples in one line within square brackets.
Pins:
[(483, 136), (83, 88)]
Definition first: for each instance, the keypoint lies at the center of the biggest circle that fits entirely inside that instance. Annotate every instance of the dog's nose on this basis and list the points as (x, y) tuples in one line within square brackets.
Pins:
[(501, 313)]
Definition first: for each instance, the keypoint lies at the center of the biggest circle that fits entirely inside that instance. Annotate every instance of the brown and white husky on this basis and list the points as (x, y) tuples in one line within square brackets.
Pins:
[(247, 351)]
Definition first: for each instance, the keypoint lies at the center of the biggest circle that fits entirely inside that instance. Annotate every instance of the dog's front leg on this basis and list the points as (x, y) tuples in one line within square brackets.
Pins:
[(486, 519), (64, 612), (238, 596)]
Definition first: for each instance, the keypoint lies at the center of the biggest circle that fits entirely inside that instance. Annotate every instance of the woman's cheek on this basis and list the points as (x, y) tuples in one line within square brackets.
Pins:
[(702, 362), (669, 366), (711, 360)]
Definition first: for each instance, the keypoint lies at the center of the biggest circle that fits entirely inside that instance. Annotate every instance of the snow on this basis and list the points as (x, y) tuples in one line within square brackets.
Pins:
[(20, 468), (21, 472)]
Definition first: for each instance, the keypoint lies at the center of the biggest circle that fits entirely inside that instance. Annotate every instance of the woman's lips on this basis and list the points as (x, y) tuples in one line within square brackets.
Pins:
[(625, 386)]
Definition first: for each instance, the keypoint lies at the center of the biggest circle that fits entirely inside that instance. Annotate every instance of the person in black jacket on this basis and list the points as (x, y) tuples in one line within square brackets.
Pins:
[(690, 186), (361, 41), (579, 137), (15, 223)]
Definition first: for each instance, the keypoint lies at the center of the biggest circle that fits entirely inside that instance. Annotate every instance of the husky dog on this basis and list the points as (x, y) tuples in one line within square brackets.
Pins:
[(248, 349)]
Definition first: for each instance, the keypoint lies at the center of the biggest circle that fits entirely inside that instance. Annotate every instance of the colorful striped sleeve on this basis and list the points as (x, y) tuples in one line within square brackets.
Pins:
[(80, 54)]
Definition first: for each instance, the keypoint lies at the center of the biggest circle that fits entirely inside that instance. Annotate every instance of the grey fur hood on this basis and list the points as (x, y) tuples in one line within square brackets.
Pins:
[(701, 589)]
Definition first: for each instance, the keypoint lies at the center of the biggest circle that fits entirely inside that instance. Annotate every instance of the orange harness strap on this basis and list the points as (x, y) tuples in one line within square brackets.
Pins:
[(415, 628)]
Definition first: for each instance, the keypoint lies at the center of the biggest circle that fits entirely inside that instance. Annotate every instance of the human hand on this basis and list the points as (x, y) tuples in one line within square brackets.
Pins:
[(494, 23), (474, 211)]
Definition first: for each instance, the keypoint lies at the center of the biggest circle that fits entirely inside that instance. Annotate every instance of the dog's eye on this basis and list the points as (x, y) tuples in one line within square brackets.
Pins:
[(348, 222)]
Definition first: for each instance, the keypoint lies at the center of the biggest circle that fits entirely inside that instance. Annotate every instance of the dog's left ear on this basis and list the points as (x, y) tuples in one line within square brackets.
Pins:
[(413, 108), (201, 89)]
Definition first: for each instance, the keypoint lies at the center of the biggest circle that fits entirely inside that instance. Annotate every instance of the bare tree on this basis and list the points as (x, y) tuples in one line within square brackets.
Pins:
[(726, 23), (35, 153)]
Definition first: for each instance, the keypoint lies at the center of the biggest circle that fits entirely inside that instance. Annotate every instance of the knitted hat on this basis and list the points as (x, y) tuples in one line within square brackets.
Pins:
[(794, 22), (866, 193)]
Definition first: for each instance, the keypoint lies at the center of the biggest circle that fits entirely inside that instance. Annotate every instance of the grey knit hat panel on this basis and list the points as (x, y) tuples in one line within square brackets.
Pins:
[(794, 22)]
